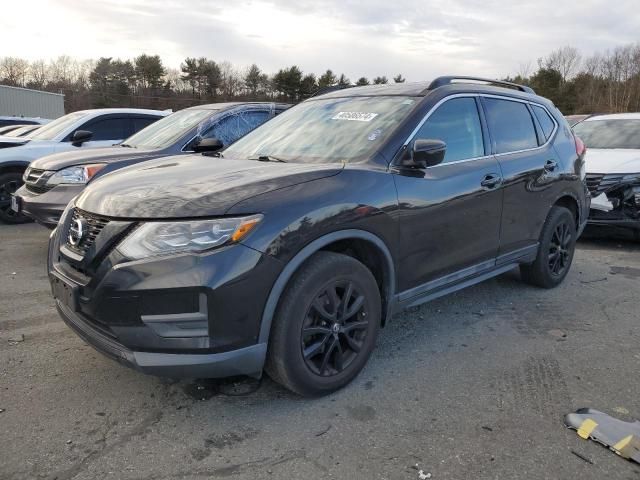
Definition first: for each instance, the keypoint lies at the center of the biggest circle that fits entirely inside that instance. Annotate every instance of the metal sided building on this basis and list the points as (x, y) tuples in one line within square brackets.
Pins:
[(24, 102)]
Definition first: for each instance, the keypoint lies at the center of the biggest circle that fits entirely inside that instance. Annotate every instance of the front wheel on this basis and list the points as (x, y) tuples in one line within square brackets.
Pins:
[(555, 253), (326, 325), (9, 183)]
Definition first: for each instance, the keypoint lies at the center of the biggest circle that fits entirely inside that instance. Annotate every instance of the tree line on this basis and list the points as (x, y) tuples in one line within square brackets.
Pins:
[(603, 82), (145, 81)]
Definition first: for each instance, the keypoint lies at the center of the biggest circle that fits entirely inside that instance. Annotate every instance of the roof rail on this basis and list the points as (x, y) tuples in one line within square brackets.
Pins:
[(448, 80)]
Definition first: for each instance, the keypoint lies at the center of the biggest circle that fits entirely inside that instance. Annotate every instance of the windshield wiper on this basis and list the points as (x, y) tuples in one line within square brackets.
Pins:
[(268, 158), (126, 145)]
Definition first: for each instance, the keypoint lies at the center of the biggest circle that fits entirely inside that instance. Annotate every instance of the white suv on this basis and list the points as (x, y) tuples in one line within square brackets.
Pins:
[(83, 129)]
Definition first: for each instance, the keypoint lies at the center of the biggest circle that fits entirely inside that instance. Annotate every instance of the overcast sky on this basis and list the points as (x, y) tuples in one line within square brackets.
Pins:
[(418, 38)]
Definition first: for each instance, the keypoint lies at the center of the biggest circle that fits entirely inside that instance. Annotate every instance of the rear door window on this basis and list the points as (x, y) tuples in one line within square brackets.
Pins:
[(545, 121), (456, 123), (236, 125), (511, 125)]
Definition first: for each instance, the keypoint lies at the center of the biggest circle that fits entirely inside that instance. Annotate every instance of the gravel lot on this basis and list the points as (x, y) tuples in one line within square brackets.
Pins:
[(474, 385)]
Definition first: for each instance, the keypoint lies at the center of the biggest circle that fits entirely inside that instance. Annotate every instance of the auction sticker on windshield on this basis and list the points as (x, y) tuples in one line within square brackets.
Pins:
[(355, 116)]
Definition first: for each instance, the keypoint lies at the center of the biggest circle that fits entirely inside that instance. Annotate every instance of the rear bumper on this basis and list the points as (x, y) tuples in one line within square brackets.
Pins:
[(46, 208), (243, 361)]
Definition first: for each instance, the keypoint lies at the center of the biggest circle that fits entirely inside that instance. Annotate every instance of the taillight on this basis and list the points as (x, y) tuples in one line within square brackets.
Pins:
[(581, 149)]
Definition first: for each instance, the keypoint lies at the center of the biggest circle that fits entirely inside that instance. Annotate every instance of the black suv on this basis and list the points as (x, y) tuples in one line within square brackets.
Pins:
[(293, 249)]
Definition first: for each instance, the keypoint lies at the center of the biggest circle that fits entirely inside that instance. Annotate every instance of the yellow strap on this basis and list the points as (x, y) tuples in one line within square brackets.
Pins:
[(618, 447), (586, 428)]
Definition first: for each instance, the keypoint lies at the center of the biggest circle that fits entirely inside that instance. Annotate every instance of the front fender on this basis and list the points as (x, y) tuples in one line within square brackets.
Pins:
[(292, 266)]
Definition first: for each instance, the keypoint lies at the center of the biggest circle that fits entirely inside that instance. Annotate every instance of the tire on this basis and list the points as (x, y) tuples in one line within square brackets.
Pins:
[(312, 319), (556, 250), (9, 183)]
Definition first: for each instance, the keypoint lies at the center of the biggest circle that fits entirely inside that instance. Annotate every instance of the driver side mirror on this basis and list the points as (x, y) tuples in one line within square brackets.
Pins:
[(208, 145), (80, 136), (425, 153)]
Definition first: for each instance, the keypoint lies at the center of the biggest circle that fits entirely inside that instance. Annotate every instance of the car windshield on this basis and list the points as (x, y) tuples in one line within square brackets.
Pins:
[(325, 130), (52, 129), (166, 131), (609, 133)]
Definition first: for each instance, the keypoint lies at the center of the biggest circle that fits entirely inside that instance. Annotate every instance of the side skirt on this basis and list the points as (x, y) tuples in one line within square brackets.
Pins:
[(464, 278)]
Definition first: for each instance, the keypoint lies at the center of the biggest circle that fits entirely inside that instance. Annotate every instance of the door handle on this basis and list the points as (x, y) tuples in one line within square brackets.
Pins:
[(550, 165), (491, 181)]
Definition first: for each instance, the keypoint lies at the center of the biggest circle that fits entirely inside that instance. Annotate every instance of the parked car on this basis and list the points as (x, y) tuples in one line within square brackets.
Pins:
[(7, 129), (613, 169), (22, 131), (78, 130), (9, 120), (52, 181), (575, 119), (293, 249)]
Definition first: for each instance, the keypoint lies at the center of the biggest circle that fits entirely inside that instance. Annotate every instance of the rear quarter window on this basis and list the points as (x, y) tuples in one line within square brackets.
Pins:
[(545, 121), (511, 126)]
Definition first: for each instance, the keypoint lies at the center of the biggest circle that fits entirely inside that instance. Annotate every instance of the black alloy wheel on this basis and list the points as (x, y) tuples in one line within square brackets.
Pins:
[(335, 328), (560, 249), (326, 325), (555, 251)]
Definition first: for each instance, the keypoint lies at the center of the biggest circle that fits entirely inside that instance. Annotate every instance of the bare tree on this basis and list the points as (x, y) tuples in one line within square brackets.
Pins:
[(14, 71), (565, 60), (524, 69), (38, 74)]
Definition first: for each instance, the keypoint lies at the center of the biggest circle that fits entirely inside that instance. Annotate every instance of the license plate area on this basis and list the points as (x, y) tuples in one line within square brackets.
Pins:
[(64, 292)]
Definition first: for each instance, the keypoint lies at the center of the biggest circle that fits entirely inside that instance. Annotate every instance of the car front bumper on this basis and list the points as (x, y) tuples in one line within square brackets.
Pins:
[(46, 208), (243, 361), (180, 316)]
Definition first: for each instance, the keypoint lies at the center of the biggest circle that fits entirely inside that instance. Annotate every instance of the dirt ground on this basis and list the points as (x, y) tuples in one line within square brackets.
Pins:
[(474, 385)]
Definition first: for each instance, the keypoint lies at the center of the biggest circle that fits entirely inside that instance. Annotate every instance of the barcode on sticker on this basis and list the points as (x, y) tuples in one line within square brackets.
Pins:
[(355, 116)]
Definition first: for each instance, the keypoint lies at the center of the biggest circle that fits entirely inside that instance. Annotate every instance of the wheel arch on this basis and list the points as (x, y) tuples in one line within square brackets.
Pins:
[(13, 166), (570, 202), (362, 243)]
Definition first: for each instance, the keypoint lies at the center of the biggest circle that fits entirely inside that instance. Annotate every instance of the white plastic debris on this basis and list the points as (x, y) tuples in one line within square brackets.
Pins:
[(602, 203), (423, 476)]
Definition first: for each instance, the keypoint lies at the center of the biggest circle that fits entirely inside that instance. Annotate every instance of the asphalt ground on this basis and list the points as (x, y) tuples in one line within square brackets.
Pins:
[(473, 385)]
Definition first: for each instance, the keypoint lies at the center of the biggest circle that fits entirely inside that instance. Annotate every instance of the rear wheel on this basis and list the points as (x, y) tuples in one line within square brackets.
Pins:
[(326, 325), (9, 183), (555, 253)]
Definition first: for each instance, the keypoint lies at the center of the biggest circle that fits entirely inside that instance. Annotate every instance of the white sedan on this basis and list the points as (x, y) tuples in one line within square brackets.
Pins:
[(613, 168)]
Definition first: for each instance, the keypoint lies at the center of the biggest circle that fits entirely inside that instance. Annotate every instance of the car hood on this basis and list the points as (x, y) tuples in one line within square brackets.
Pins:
[(191, 186), (601, 160), (58, 161)]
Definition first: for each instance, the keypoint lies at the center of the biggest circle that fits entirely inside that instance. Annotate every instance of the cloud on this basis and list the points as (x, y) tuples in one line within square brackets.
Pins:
[(419, 38)]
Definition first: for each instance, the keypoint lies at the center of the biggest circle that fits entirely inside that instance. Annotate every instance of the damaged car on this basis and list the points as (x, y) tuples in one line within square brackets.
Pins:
[(52, 181), (613, 169), (293, 249)]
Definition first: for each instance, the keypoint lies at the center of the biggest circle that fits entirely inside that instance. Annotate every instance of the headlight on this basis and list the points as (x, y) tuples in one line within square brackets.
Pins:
[(80, 174), (163, 238)]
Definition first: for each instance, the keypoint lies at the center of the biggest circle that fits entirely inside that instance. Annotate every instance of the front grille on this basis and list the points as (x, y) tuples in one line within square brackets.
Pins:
[(93, 224), (38, 189), (33, 175), (598, 182), (36, 179)]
